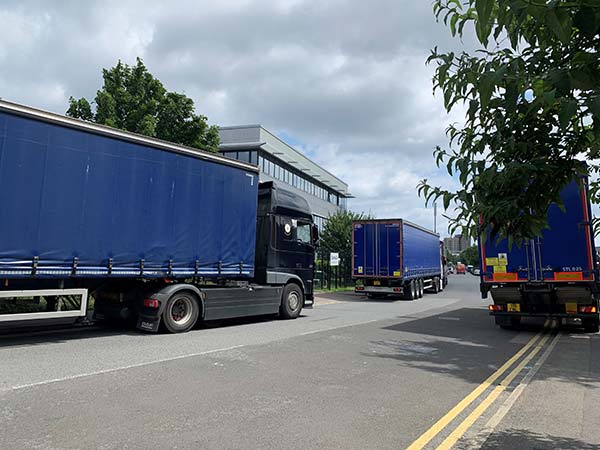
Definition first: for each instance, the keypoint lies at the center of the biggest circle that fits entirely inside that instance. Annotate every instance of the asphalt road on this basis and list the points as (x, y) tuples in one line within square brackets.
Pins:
[(349, 374)]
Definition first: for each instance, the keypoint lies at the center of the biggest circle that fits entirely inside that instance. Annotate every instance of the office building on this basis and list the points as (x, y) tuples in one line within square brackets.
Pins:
[(326, 194)]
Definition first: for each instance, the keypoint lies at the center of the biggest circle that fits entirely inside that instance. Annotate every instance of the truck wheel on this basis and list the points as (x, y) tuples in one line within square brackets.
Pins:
[(421, 287), (591, 325), (436, 285), (292, 300), (414, 289), (181, 312)]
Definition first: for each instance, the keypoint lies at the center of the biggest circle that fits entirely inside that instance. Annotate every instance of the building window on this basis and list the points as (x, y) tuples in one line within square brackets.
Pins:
[(243, 156), (319, 222), (253, 157)]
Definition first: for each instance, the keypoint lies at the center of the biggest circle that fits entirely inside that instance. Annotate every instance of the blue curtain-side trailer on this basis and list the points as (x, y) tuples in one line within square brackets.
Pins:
[(395, 257), (552, 276)]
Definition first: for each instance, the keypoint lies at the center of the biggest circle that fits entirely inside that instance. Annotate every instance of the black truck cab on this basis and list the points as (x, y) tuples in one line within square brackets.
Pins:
[(286, 239)]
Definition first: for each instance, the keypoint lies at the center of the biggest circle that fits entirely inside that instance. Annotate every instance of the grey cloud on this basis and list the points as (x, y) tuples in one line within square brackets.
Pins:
[(346, 78)]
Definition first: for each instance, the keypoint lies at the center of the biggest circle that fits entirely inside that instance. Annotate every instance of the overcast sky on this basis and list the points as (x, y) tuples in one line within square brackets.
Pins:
[(343, 81)]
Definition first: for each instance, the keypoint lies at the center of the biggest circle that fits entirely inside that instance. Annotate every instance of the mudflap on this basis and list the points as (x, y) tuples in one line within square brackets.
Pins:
[(149, 324)]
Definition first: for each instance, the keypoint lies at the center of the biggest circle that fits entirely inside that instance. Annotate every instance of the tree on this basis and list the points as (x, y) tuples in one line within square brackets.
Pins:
[(469, 255), (532, 94), (81, 109), (450, 258), (132, 99), (337, 237)]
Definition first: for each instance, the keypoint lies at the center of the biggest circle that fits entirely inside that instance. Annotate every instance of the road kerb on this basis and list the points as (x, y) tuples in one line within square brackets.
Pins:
[(437, 427)]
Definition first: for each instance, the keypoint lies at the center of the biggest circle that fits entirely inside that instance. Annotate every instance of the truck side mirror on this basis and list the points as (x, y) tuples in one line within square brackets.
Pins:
[(315, 235)]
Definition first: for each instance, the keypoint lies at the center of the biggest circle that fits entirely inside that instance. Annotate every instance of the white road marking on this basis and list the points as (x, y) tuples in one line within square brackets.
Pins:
[(162, 360), (116, 369)]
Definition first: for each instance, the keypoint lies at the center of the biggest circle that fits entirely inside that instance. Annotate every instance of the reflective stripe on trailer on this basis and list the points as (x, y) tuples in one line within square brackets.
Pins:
[(568, 276), (510, 276)]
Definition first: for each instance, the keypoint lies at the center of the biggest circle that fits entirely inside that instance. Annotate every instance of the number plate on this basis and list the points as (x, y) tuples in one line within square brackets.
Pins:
[(513, 307), (148, 325), (376, 283), (571, 308)]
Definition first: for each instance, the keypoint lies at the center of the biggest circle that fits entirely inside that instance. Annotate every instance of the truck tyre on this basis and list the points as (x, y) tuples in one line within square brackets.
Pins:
[(591, 325), (292, 300), (181, 312), (414, 289), (436, 285), (421, 287)]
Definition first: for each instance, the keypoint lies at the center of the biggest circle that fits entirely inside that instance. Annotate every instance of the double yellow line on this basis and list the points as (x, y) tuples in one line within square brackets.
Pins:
[(536, 342)]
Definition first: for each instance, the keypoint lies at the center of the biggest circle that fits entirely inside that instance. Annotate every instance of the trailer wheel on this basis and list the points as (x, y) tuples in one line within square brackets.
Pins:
[(591, 325), (421, 287), (436, 285), (292, 300), (181, 312), (414, 290)]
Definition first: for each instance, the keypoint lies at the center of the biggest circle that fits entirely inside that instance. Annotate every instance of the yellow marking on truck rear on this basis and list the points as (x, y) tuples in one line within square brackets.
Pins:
[(511, 276), (568, 275), (499, 269)]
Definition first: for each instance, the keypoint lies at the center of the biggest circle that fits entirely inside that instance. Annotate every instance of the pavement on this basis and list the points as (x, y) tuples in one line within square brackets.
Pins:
[(349, 374)]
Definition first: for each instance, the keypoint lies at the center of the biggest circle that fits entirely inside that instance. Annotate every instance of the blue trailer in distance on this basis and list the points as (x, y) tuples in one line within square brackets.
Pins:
[(160, 233), (552, 276), (394, 256)]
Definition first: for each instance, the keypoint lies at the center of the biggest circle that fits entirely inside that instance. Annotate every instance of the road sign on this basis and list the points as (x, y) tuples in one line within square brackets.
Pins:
[(334, 259)]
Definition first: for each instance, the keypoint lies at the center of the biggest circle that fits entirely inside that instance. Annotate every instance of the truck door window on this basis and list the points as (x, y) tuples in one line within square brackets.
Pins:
[(303, 233)]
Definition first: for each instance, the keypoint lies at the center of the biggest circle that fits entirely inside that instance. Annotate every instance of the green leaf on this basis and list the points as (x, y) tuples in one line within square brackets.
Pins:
[(568, 111), (453, 21), (486, 88), (484, 25), (561, 80), (586, 20), (447, 198), (559, 22), (593, 105)]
